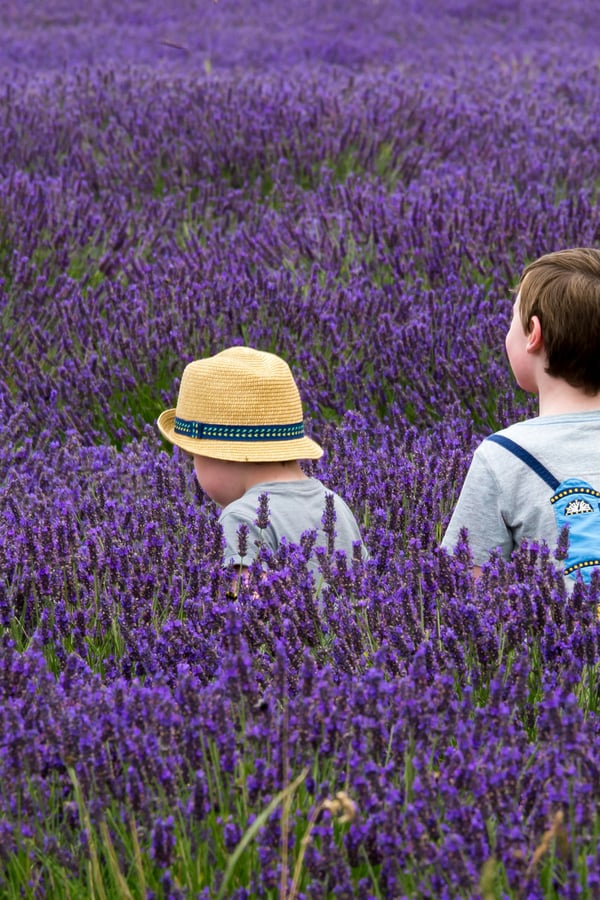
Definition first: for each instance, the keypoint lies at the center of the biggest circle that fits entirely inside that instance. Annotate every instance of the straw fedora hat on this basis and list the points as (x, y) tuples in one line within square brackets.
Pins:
[(241, 404)]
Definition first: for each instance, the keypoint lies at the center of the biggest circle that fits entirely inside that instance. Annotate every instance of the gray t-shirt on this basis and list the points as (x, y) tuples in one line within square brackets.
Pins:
[(504, 502), (294, 507)]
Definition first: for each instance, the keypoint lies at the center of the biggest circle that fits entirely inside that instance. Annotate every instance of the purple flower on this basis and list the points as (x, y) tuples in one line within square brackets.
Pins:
[(163, 841)]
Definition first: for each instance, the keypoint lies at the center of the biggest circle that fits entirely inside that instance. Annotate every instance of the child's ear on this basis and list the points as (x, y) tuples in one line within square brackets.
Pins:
[(535, 338)]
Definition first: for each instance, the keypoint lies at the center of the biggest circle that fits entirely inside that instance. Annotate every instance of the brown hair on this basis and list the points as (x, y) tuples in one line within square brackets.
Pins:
[(563, 290)]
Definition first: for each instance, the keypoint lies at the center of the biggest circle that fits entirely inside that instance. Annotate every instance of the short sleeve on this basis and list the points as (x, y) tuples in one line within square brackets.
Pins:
[(479, 510)]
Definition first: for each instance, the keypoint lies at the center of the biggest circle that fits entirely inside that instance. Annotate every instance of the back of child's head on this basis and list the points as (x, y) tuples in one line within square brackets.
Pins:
[(240, 405), (563, 290)]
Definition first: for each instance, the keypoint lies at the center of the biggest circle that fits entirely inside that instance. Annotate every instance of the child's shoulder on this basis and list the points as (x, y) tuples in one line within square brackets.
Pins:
[(557, 437), (279, 491), (292, 486), (544, 428)]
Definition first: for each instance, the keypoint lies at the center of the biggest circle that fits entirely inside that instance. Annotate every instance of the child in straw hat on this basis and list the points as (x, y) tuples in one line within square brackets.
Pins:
[(239, 415)]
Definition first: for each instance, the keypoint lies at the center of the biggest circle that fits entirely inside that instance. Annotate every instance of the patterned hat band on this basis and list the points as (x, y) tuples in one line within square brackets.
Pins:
[(202, 431)]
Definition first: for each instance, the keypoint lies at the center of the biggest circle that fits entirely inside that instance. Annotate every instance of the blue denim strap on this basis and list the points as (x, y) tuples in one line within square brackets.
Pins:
[(527, 458)]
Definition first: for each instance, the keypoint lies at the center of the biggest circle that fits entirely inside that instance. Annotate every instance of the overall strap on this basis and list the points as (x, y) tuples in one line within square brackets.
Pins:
[(527, 458)]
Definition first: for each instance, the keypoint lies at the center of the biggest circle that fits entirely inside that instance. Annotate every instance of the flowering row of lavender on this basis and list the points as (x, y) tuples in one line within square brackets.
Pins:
[(355, 186)]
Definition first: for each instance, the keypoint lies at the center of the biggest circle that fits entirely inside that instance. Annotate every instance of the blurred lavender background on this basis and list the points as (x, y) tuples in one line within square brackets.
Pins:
[(355, 186)]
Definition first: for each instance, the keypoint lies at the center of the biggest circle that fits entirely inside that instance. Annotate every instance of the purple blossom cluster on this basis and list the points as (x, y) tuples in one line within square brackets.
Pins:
[(355, 187)]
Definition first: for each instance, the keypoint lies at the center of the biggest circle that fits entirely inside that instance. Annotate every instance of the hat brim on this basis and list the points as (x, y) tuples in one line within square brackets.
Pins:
[(239, 451)]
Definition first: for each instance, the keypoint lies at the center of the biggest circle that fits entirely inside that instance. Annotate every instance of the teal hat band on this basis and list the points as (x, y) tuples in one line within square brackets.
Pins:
[(202, 431)]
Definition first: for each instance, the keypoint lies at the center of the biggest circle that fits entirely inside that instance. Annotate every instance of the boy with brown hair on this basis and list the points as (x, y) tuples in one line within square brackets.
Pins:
[(239, 415), (553, 347)]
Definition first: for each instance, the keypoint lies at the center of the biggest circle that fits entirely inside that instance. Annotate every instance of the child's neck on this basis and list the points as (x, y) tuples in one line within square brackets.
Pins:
[(556, 397)]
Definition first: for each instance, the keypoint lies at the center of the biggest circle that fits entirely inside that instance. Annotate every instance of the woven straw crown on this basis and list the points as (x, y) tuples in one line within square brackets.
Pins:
[(242, 404)]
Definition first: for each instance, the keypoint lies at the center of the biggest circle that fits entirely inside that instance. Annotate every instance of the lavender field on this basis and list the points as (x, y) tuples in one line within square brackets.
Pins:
[(355, 186)]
